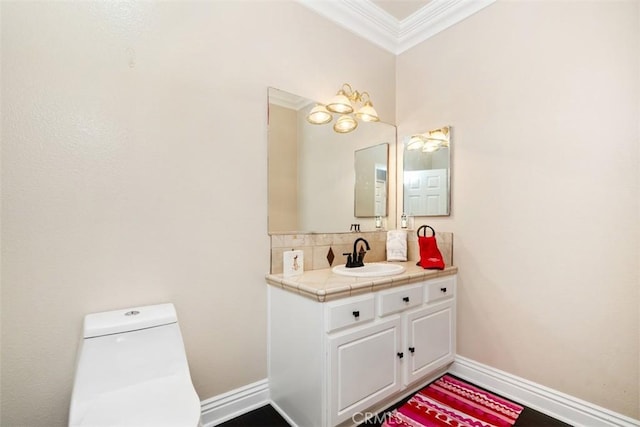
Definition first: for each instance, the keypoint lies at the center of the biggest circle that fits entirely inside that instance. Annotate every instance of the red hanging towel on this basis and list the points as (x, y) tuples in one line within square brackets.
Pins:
[(430, 256)]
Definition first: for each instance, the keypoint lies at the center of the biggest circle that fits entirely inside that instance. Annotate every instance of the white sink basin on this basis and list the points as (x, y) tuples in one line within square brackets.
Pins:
[(369, 270)]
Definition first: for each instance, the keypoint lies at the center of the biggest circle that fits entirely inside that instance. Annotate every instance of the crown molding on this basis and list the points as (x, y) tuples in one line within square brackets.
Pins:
[(363, 18), (368, 20), (436, 16)]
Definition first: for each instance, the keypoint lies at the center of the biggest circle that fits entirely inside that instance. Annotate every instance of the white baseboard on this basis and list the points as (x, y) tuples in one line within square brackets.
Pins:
[(226, 406), (561, 406)]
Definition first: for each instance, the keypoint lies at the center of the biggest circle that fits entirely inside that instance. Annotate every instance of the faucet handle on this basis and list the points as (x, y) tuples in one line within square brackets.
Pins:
[(349, 263)]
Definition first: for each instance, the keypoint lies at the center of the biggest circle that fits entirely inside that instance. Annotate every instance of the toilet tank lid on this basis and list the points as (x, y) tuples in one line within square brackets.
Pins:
[(128, 319)]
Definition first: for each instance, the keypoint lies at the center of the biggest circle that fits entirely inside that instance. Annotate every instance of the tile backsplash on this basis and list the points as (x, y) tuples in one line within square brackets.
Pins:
[(316, 247)]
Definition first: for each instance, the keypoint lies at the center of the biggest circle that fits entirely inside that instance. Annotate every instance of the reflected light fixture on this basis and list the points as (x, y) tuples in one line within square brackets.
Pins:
[(430, 141), (343, 103)]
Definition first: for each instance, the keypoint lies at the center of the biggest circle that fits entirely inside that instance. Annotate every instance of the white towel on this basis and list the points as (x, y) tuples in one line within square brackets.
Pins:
[(397, 245)]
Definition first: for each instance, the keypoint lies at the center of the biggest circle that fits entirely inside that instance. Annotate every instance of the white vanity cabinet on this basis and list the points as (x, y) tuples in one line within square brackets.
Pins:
[(329, 361), (430, 341), (363, 368), (428, 325)]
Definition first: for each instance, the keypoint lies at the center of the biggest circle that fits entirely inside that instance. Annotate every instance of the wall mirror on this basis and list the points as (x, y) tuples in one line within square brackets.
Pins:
[(371, 168), (427, 173), (311, 173)]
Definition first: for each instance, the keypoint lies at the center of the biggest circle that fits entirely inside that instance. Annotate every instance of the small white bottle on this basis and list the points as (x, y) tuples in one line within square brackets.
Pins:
[(403, 220), (378, 222)]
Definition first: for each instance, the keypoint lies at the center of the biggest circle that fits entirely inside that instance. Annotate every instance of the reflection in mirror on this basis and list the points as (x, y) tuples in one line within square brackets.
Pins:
[(427, 171), (371, 181), (311, 176)]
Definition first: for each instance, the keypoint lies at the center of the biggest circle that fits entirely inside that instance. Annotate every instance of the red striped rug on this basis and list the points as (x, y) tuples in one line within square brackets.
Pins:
[(454, 403)]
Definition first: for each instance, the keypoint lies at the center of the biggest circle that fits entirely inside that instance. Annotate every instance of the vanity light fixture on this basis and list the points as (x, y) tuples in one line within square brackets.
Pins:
[(430, 141), (343, 103), (319, 115), (345, 124)]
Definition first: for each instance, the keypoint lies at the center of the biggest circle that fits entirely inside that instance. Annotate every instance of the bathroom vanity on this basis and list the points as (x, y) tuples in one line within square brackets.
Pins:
[(340, 346)]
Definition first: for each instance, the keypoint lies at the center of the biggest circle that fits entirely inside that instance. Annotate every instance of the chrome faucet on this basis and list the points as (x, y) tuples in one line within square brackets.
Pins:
[(357, 258)]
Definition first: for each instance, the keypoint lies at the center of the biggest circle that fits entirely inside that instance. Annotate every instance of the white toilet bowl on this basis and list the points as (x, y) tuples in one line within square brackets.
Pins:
[(132, 371)]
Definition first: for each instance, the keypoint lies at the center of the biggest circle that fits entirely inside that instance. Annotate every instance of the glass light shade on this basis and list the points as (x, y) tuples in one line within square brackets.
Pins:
[(431, 146), (367, 113), (340, 104), (440, 137), (345, 124), (416, 142), (319, 115)]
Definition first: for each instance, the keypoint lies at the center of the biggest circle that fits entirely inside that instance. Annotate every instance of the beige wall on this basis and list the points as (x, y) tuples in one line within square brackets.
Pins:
[(134, 160), (544, 102), (327, 179), (124, 127)]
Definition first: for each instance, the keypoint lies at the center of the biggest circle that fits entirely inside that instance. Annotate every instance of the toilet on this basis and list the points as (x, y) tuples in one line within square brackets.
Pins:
[(132, 371)]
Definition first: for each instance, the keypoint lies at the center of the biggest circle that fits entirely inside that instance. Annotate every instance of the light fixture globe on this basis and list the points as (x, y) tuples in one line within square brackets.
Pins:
[(431, 146), (319, 115), (441, 136), (345, 124), (416, 142), (367, 113), (340, 104)]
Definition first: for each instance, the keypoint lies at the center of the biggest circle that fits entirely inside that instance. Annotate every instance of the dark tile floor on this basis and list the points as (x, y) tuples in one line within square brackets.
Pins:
[(261, 417), (269, 417)]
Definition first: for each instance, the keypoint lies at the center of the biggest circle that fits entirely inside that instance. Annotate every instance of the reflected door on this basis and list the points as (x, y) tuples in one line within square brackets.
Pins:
[(381, 192), (425, 192)]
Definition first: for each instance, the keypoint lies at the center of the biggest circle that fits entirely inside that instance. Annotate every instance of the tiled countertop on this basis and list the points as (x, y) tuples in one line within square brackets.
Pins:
[(325, 285)]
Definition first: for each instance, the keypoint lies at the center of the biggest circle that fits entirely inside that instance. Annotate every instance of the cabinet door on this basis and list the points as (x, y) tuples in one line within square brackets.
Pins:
[(363, 367), (430, 340)]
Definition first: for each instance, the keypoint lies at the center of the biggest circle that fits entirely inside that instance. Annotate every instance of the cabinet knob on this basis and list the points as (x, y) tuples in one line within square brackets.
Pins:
[(356, 314), (412, 349), (443, 290), (405, 299), (400, 355)]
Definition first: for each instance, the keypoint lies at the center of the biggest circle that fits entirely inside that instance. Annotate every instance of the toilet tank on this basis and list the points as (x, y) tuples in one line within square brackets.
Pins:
[(125, 348)]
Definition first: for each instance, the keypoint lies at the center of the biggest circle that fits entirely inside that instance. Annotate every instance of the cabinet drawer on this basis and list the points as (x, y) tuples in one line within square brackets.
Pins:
[(352, 312), (395, 300), (440, 289)]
